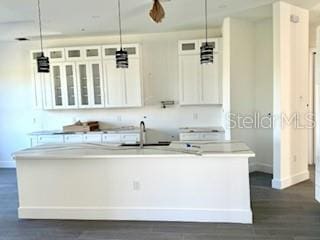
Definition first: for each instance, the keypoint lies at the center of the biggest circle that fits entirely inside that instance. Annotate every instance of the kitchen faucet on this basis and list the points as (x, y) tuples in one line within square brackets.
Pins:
[(142, 130)]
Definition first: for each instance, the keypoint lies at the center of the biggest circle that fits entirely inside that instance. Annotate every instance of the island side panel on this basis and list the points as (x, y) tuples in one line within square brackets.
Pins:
[(195, 188)]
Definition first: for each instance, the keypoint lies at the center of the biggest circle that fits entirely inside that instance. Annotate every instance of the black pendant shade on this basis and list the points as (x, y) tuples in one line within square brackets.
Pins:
[(43, 64), (206, 53), (42, 61), (122, 59)]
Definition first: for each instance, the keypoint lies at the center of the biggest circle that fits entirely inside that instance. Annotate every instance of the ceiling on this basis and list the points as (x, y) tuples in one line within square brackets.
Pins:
[(18, 18)]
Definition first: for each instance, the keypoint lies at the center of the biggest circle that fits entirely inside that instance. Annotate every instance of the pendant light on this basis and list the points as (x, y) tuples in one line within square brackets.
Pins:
[(42, 61), (206, 51), (121, 55)]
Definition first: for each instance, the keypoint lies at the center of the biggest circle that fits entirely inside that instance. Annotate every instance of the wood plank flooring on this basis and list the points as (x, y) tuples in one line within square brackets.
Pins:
[(290, 214)]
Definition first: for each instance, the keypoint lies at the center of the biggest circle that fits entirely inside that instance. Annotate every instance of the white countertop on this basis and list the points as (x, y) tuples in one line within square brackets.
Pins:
[(84, 151)]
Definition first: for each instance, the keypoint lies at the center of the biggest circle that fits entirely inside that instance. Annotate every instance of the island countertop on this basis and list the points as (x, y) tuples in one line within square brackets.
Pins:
[(176, 149)]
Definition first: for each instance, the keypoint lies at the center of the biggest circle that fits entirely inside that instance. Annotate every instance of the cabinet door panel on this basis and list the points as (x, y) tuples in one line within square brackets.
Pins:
[(83, 85), (56, 75), (189, 79), (97, 96), (115, 89), (71, 86), (210, 89), (133, 84), (37, 79)]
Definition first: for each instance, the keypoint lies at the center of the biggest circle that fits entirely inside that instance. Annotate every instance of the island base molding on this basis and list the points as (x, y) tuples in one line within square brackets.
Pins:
[(140, 214)]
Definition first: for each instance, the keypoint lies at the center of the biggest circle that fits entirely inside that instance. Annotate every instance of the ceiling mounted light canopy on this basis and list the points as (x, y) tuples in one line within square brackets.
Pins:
[(42, 61), (121, 55), (206, 50)]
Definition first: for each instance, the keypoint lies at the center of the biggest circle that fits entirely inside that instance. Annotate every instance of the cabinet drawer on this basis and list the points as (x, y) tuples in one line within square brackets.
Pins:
[(45, 139), (189, 137), (212, 136), (111, 138), (74, 138), (92, 138), (130, 138)]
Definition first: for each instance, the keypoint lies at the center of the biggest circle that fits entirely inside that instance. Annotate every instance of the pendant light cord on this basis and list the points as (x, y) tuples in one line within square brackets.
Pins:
[(40, 25), (206, 14), (120, 30)]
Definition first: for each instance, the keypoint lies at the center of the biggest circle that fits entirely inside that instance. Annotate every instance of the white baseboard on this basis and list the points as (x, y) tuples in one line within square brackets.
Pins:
[(7, 164), (261, 167), (290, 181), (138, 214)]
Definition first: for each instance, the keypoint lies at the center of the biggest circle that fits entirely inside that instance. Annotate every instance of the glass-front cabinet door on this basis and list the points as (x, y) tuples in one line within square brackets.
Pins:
[(96, 82), (71, 85), (83, 84), (57, 85)]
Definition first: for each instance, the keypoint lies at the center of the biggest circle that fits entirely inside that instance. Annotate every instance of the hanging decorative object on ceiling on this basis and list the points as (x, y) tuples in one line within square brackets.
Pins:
[(42, 61), (157, 12), (121, 55), (206, 50)]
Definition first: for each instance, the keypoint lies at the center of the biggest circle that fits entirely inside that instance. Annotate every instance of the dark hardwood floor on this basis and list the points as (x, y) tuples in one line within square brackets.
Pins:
[(289, 214)]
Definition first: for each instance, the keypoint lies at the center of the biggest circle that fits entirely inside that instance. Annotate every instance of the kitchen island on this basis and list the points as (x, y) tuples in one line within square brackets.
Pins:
[(198, 182)]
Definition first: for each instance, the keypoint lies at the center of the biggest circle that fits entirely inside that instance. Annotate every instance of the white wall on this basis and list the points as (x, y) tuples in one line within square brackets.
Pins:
[(264, 92), (160, 73), (317, 112), (291, 70), (248, 67)]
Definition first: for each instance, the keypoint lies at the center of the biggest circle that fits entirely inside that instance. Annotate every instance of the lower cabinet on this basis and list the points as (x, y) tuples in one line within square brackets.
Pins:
[(116, 138), (209, 136)]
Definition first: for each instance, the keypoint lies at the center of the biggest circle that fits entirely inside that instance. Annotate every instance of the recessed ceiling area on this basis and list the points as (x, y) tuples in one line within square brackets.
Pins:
[(79, 17)]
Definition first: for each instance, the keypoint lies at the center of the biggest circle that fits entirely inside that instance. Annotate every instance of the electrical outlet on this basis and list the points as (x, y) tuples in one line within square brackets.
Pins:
[(294, 158), (136, 185), (119, 118), (34, 120), (195, 116)]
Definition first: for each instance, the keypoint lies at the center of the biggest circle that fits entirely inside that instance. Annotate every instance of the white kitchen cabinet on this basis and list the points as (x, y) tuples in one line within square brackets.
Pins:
[(130, 138), (56, 54), (50, 139), (73, 138), (200, 84), (92, 138), (76, 78), (202, 136), (90, 82), (74, 54), (37, 79), (41, 85), (111, 138), (92, 53), (64, 85), (123, 86), (56, 73), (189, 79)]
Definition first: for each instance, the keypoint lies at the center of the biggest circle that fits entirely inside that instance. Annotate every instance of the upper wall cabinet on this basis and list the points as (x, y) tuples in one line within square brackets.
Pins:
[(87, 77), (90, 84), (200, 84), (109, 51), (123, 87), (56, 55)]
